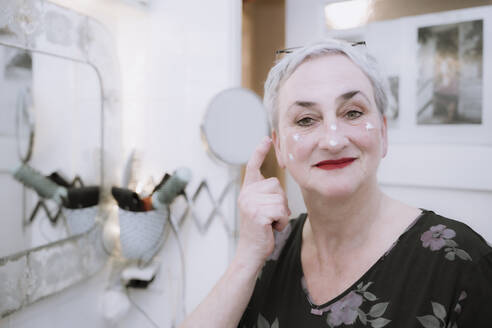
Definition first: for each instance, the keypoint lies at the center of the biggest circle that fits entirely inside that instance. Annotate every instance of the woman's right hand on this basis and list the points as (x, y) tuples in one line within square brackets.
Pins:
[(262, 208)]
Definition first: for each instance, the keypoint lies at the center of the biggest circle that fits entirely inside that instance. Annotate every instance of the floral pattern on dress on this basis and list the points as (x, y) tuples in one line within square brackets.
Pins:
[(263, 322), (347, 310), (438, 318), (439, 236)]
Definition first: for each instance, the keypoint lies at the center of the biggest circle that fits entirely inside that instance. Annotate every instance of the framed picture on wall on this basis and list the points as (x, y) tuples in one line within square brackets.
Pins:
[(450, 66), (449, 78)]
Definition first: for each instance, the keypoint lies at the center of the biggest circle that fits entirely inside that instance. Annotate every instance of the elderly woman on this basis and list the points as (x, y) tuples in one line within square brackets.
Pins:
[(357, 258)]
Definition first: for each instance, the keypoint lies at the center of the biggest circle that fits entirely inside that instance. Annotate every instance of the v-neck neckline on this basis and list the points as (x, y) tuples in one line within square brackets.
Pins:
[(319, 309)]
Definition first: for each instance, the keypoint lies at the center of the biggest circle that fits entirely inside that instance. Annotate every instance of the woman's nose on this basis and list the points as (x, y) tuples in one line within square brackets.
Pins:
[(332, 138)]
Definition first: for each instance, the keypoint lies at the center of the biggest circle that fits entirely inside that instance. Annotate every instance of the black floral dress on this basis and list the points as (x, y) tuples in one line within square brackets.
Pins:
[(437, 274)]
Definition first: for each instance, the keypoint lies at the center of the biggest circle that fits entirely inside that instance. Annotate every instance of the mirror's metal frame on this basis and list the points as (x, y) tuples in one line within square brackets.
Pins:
[(37, 273)]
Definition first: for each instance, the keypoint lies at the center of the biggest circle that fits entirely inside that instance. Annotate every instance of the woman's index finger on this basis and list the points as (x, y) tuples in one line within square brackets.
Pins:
[(253, 173)]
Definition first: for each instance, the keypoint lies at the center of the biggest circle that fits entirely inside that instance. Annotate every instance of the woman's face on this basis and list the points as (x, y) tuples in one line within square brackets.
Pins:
[(331, 136)]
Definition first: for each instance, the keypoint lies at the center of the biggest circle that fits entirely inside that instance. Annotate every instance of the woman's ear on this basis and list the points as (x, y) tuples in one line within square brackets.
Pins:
[(278, 151)]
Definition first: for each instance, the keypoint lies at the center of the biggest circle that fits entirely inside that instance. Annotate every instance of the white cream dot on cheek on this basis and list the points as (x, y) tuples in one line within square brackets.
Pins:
[(291, 157), (296, 137), (333, 142), (369, 126), (333, 127)]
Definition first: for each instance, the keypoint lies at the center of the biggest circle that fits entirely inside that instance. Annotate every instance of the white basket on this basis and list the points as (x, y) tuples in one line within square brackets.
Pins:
[(141, 233), (80, 220)]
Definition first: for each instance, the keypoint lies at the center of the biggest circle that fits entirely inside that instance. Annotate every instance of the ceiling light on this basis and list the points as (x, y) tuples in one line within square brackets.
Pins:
[(347, 14)]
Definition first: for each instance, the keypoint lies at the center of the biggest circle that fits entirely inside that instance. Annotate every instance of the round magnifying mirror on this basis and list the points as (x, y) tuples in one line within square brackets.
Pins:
[(234, 124)]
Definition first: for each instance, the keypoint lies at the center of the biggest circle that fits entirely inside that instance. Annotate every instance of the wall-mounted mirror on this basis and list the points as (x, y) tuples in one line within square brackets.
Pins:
[(51, 121), (59, 117)]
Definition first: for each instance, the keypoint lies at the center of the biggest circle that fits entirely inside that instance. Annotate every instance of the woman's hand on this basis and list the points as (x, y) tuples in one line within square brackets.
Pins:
[(262, 207)]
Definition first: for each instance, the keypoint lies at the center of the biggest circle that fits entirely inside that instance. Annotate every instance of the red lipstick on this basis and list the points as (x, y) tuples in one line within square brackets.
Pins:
[(336, 163)]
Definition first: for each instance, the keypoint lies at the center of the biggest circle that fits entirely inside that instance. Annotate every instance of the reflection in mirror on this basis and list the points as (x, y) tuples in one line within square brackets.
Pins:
[(51, 124)]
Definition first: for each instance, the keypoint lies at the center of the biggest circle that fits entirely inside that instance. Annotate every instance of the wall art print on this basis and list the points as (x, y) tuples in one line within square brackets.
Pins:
[(450, 66)]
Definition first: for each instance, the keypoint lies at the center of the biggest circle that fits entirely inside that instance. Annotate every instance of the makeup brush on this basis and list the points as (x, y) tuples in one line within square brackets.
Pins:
[(43, 186), (169, 189)]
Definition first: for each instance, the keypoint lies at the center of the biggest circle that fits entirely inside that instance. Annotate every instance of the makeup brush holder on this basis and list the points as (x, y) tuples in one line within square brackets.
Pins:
[(141, 233), (80, 220)]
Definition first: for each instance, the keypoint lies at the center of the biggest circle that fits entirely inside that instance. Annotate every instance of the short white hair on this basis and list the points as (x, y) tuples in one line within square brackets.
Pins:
[(285, 67)]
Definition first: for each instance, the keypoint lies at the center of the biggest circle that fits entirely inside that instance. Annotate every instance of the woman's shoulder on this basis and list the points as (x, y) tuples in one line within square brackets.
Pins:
[(454, 237)]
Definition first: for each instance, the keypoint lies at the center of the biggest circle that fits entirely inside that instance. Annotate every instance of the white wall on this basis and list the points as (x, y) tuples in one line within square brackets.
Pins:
[(174, 56), (303, 22), (445, 169)]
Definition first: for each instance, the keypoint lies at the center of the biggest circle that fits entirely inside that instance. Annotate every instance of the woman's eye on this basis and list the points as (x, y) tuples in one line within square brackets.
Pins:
[(353, 114), (306, 121)]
